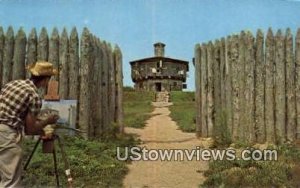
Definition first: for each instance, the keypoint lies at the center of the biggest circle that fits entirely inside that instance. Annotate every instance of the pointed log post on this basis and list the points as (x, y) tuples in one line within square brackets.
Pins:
[(105, 81), (31, 49), (119, 88), (2, 40), (111, 85), (74, 65), (280, 101), (290, 87), (226, 45), (233, 58), (43, 45), (54, 50), (99, 113), (210, 90), (260, 127), (216, 91), (242, 131), (297, 60), (94, 121), (222, 76), (203, 90), (85, 97), (269, 83), (63, 65), (198, 95), (19, 55), (249, 87), (8, 56)]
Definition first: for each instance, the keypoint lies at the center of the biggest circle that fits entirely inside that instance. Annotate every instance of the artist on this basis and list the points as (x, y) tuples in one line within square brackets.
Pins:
[(20, 104)]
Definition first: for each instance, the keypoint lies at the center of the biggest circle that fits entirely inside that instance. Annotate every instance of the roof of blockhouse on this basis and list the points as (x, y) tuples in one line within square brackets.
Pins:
[(151, 59)]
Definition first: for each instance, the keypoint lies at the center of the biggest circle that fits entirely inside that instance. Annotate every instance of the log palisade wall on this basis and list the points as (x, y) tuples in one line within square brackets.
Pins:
[(90, 71), (249, 87)]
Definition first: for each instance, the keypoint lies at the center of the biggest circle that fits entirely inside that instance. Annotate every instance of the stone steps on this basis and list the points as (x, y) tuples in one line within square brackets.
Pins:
[(162, 97)]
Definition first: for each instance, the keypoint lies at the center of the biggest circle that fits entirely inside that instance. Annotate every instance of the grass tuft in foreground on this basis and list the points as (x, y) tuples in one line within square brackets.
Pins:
[(239, 173)]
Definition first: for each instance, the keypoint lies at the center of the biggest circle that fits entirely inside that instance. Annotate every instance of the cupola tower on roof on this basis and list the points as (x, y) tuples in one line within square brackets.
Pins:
[(159, 49)]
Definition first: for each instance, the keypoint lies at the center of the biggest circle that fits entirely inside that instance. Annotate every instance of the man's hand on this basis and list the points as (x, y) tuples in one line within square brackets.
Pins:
[(35, 127), (48, 131), (52, 119)]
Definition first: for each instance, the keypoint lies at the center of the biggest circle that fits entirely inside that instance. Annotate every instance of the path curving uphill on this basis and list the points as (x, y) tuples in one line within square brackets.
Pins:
[(161, 132)]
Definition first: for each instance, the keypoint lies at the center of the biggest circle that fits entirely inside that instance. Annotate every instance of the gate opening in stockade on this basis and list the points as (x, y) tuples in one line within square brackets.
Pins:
[(90, 71), (248, 88)]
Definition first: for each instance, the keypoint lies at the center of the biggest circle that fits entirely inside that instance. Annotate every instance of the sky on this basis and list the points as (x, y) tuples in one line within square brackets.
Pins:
[(135, 25)]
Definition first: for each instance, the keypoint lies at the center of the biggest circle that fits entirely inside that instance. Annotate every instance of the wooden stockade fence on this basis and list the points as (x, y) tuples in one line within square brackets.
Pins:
[(248, 88), (90, 71)]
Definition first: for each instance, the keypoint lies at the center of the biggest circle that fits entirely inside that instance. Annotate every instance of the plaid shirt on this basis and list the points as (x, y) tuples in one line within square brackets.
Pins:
[(17, 98)]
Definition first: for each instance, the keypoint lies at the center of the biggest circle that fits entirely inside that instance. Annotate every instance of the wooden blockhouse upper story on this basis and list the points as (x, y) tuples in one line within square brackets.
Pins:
[(159, 73)]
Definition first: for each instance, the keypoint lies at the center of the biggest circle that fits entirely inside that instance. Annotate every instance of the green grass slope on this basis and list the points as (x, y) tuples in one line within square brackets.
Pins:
[(183, 110), (137, 108)]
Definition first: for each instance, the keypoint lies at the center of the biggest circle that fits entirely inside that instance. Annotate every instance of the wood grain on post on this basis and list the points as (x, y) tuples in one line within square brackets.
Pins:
[(203, 90), (297, 60), (226, 45), (93, 74), (119, 81), (233, 58), (217, 76), (249, 87), (198, 94), (210, 90), (31, 49), (260, 127), (74, 65), (216, 91), (280, 94), (222, 72), (63, 65), (54, 50), (43, 45), (111, 85), (269, 87), (290, 87), (19, 55), (99, 57), (242, 128), (8, 56), (105, 81), (85, 97), (2, 40)]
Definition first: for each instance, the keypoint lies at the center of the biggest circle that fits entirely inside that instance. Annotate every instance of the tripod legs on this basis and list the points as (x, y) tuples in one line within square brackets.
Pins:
[(64, 157), (67, 165), (29, 159), (55, 167)]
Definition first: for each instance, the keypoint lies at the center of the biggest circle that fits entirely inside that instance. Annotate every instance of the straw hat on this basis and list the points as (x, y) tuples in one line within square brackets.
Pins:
[(42, 68)]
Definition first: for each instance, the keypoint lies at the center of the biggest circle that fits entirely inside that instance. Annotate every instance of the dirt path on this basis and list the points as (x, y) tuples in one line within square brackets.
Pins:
[(163, 133)]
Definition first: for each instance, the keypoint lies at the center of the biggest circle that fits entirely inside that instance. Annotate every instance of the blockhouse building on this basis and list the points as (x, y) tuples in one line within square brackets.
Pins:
[(159, 73)]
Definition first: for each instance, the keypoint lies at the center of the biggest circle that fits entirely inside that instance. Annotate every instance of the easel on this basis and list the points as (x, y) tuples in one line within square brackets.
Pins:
[(49, 143)]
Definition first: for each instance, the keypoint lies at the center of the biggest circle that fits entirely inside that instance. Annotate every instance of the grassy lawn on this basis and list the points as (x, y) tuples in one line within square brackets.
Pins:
[(183, 110), (137, 108), (92, 163)]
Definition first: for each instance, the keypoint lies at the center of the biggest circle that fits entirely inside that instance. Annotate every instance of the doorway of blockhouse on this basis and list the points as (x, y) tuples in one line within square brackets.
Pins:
[(158, 86)]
